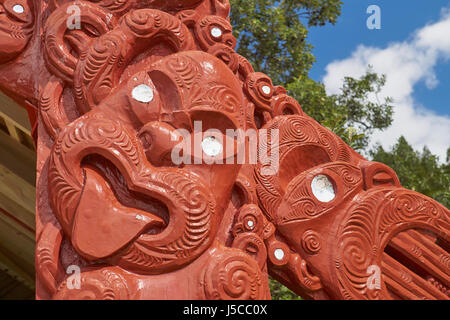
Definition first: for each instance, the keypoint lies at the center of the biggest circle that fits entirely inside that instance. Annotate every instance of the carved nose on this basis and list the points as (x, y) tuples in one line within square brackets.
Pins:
[(378, 175), (159, 140)]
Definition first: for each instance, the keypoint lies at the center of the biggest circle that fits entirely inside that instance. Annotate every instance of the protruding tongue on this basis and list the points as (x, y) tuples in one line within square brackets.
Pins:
[(102, 225)]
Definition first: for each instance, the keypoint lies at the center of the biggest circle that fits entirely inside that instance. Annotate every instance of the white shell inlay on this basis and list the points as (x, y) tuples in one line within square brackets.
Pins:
[(18, 8), (216, 32), (323, 189), (142, 93), (279, 254), (211, 146)]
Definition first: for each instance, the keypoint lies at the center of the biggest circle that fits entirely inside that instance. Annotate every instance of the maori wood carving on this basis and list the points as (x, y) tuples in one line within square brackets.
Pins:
[(117, 94)]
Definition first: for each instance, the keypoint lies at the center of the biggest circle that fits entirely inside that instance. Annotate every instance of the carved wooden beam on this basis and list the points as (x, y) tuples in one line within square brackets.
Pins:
[(17, 116), (144, 193), (17, 209)]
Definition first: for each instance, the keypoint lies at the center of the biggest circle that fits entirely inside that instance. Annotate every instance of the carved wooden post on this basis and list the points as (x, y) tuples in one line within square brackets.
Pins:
[(139, 197)]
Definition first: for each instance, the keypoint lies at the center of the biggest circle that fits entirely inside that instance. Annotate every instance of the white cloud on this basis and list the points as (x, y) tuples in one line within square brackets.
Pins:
[(405, 64)]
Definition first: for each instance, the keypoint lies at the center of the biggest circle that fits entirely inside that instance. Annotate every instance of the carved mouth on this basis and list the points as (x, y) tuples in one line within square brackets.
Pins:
[(416, 259), (126, 197), (399, 243)]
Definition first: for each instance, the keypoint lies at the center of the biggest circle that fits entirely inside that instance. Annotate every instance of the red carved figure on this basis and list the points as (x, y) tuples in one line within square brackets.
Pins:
[(127, 83), (16, 26)]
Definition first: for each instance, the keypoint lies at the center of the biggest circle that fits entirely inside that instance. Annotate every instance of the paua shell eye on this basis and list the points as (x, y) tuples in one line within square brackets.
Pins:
[(17, 10), (323, 188), (142, 93)]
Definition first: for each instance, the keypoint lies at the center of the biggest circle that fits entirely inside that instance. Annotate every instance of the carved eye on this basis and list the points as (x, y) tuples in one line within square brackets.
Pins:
[(266, 90), (323, 188), (279, 254), (142, 93), (211, 146), (216, 32), (18, 8)]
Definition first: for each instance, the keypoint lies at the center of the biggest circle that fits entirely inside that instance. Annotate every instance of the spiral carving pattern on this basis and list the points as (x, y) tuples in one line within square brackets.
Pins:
[(311, 242), (232, 275)]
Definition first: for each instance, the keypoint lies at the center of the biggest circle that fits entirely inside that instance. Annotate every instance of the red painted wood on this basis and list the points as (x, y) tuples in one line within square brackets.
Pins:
[(114, 99)]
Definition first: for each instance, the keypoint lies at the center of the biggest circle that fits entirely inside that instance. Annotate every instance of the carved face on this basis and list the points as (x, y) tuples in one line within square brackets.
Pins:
[(16, 20), (330, 204), (176, 207)]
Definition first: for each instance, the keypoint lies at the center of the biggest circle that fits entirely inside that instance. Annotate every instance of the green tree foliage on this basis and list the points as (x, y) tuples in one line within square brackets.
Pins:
[(418, 171), (350, 114), (280, 292), (272, 35)]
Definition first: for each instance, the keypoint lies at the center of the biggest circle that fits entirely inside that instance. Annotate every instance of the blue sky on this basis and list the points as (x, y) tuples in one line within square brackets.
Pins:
[(412, 48)]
